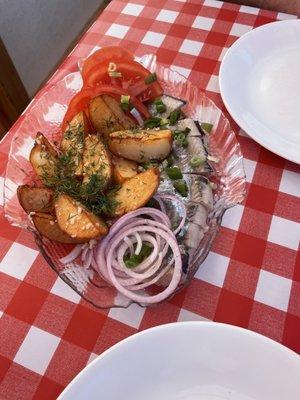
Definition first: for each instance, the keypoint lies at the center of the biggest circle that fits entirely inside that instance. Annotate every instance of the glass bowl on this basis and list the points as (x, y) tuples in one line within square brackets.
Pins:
[(46, 116)]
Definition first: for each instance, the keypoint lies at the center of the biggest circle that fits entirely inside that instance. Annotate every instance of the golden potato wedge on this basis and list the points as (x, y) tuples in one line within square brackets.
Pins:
[(142, 146), (123, 169), (96, 159), (135, 192), (47, 226), (115, 107), (102, 117), (76, 221), (43, 157), (72, 140), (35, 199)]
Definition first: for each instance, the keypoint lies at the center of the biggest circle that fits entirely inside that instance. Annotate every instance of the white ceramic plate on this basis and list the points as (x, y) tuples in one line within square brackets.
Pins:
[(190, 361), (260, 86)]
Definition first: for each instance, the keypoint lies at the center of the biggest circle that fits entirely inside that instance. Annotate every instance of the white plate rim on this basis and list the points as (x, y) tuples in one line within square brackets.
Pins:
[(235, 115), (177, 325)]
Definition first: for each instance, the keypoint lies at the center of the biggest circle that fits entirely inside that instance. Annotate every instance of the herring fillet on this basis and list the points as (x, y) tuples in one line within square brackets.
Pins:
[(171, 103)]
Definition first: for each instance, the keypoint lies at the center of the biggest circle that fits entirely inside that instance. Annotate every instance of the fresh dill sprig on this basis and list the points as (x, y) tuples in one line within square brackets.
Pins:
[(90, 194)]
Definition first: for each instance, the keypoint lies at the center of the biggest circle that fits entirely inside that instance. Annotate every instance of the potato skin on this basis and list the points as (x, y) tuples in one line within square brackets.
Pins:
[(142, 146), (123, 169), (102, 117), (76, 221), (35, 199), (115, 107), (43, 157), (135, 192), (47, 226)]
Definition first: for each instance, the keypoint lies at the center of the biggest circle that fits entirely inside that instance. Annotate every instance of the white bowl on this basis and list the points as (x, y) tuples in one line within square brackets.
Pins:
[(260, 86), (189, 361)]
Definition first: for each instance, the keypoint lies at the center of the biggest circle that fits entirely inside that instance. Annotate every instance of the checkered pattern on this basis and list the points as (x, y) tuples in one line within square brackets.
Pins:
[(250, 278)]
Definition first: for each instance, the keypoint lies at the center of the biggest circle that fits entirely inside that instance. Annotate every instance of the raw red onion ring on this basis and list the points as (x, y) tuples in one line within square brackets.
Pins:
[(133, 230)]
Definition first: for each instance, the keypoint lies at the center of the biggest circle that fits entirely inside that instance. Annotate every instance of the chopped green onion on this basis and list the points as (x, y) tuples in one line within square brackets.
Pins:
[(125, 103), (115, 74), (180, 133), (181, 187), (151, 78), (174, 173), (159, 105), (174, 116), (185, 143), (177, 133), (132, 261), (136, 259), (196, 161), (207, 127), (160, 108), (145, 251), (181, 140), (126, 106), (152, 122), (125, 99), (164, 121)]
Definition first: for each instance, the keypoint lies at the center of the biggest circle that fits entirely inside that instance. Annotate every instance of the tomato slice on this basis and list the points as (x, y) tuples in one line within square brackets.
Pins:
[(133, 77), (81, 100), (106, 54), (144, 91)]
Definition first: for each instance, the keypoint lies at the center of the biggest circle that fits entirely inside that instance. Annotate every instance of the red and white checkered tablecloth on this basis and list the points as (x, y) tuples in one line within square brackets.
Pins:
[(251, 277)]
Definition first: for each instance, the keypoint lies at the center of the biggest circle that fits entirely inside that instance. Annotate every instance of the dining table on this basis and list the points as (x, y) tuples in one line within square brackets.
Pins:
[(251, 277)]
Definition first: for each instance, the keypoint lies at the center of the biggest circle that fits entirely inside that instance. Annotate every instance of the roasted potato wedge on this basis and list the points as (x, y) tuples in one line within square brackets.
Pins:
[(141, 146), (76, 221), (43, 157), (72, 140), (102, 117), (135, 192), (47, 226), (123, 169), (96, 159), (35, 199), (122, 118)]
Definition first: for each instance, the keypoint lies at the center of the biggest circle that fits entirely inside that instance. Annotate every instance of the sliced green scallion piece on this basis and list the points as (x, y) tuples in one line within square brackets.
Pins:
[(174, 116), (159, 105), (174, 173), (181, 187), (134, 260), (151, 78), (125, 103), (181, 140), (152, 122), (196, 161), (207, 127)]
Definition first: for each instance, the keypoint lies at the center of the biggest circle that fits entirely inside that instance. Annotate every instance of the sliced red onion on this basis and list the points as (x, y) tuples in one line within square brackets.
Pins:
[(134, 112), (87, 260), (169, 238), (72, 255), (161, 203), (130, 245), (134, 229), (139, 244)]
